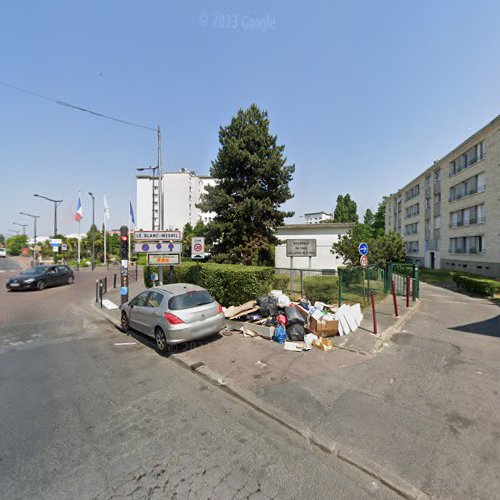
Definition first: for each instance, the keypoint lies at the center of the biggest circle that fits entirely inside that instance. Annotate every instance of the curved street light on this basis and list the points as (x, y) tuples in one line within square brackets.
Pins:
[(56, 203)]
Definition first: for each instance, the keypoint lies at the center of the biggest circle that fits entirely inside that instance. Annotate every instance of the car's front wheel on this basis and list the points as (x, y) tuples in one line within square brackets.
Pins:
[(161, 340), (41, 285), (70, 280), (124, 323)]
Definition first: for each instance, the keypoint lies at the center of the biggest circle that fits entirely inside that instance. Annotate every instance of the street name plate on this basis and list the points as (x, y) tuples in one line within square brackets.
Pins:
[(301, 248), (158, 235), (164, 259), (156, 247)]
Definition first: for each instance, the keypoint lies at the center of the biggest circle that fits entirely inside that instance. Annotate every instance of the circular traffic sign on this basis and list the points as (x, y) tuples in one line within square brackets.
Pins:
[(158, 246), (363, 248), (145, 247), (197, 247), (363, 260), (170, 246)]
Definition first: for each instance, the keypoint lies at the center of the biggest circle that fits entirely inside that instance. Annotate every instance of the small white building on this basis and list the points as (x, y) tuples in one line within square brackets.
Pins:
[(317, 217), (181, 193), (325, 236)]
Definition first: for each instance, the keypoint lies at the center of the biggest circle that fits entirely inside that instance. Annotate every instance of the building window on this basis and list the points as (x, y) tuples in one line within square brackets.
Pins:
[(467, 216), (412, 193), (411, 246), (471, 156), (411, 229), (470, 186), (469, 245), (412, 211), (437, 176), (427, 182)]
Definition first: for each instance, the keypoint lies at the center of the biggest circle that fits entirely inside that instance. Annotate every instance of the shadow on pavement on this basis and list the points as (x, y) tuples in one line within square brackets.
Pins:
[(490, 327)]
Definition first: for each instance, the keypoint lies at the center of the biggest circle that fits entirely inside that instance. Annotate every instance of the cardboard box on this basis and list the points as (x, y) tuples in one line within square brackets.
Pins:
[(324, 329)]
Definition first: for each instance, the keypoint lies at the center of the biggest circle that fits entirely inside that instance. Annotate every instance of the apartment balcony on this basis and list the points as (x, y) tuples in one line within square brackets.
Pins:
[(428, 213), (427, 234), (470, 192), (437, 188), (437, 209), (428, 192), (470, 222)]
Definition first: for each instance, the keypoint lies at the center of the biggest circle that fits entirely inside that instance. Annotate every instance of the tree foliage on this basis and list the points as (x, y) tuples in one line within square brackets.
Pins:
[(345, 210), (252, 184), (382, 249), (368, 219), (378, 224), (16, 243)]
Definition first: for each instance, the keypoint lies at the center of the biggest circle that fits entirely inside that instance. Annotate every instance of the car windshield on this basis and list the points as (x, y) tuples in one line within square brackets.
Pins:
[(35, 271), (189, 300)]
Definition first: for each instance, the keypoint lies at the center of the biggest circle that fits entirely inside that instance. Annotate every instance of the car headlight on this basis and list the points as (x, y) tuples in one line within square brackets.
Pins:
[(29, 281)]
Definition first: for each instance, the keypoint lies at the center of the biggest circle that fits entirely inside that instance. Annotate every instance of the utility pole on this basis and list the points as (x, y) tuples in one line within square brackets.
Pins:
[(160, 190)]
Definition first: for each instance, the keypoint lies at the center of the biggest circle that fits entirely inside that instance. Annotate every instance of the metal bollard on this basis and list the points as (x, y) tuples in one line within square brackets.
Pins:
[(393, 287), (374, 313), (97, 290), (408, 291), (114, 280), (100, 291), (105, 284)]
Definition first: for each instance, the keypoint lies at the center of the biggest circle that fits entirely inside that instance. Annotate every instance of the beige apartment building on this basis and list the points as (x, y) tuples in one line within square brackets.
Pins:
[(449, 216)]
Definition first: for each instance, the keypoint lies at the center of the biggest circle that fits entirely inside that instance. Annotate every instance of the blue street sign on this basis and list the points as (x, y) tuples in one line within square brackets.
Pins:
[(123, 290), (363, 248)]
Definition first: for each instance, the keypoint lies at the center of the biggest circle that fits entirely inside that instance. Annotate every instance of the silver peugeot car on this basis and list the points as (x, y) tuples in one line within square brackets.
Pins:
[(173, 314)]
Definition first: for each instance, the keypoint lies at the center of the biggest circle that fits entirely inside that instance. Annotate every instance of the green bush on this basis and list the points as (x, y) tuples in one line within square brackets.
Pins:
[(281, 282), (228, 284), (483, 286), (322, 288)]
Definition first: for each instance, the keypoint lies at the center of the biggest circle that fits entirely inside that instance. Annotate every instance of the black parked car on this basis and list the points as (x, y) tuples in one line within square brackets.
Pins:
[(39, 277)]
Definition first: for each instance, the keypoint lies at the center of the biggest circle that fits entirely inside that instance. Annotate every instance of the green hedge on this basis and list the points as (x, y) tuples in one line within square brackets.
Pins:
[(483, 286), (281, 282), (322, 288), (228, 284)]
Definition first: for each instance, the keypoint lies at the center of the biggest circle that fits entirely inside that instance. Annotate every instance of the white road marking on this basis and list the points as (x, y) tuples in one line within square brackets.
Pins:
[(125, 343), (108, 304)]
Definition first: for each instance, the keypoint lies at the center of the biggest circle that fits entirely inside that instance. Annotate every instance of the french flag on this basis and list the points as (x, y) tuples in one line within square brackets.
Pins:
[(79, 211)]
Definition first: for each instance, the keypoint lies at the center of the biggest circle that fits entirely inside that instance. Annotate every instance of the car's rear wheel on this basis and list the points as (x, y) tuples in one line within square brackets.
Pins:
[(161, 340), (124, 323), (41, 285), (70, 280)]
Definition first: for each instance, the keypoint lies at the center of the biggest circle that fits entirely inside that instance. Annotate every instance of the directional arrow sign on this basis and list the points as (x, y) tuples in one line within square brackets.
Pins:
[(363, 248)]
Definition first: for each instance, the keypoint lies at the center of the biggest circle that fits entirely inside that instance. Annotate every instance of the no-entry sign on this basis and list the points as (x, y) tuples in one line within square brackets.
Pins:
[(197, 247)]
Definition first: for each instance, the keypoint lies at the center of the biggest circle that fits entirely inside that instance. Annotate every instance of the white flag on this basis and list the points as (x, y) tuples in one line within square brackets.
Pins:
[(106, 209)]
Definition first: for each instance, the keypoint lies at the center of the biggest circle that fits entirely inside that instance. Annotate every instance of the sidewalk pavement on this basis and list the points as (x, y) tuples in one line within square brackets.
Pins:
[(255, 369)]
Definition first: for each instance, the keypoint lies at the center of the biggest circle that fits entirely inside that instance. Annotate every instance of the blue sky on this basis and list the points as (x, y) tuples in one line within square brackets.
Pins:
[(363, 94)]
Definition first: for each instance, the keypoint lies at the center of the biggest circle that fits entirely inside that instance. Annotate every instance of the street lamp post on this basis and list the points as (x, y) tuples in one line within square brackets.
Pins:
[(56, 203), (22, 225), (34, 217), (153, 169), (93, 230)]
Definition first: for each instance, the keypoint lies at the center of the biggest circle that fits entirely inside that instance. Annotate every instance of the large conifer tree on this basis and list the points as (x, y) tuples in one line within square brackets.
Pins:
[(252, 184)]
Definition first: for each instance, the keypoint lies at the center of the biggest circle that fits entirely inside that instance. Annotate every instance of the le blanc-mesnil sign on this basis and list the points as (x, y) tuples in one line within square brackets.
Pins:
[(301, 248)]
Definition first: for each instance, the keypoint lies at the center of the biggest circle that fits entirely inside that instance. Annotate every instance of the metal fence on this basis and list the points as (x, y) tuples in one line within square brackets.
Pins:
[(356, 282), (294, 280)]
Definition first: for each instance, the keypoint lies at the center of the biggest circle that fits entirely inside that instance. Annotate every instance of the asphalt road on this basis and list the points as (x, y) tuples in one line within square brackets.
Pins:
[(85, 414)]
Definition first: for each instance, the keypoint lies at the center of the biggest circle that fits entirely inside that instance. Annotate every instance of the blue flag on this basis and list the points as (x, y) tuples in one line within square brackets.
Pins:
[(132, 218)]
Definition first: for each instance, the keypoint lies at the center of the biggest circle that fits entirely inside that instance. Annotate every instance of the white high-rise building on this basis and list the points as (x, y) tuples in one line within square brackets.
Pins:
[(181, 193)]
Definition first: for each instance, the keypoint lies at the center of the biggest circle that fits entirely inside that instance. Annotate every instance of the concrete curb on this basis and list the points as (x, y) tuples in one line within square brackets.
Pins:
[(319, 440), (386, 335)]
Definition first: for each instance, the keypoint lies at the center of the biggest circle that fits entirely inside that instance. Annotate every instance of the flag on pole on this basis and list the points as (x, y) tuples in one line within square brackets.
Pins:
[(79, 210), (106, 208), (131, 212)]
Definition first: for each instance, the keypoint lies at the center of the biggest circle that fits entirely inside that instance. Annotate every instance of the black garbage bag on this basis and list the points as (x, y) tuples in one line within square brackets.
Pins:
[(295, 332), (293, 316), (267, 306)]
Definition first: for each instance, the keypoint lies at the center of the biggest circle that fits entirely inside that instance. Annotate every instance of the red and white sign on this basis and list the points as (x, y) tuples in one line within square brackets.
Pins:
[(197, 248), (363, 260)]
